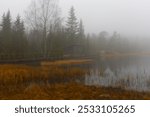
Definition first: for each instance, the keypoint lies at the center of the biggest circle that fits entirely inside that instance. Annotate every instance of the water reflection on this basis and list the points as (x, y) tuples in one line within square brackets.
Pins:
[(129, 73)]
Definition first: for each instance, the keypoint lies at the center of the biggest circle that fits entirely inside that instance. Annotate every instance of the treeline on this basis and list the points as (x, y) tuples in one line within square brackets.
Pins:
[(55, 41), (112, 44), (48, 36), (13, 39)]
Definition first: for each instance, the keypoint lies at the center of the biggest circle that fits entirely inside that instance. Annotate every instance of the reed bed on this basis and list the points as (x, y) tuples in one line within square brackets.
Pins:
[(16, 74)]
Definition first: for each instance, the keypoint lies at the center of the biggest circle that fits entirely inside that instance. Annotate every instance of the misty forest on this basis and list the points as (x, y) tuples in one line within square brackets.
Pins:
[(46, 56)]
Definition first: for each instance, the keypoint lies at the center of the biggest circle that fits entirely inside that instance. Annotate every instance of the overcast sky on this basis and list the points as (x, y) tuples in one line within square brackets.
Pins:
[(130, 17)]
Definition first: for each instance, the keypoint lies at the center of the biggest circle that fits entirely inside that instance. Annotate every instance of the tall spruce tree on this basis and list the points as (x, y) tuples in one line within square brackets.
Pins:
[(19, 38), (81, 39), (71, 32), (6, 33), (72, 25), (81, 30)]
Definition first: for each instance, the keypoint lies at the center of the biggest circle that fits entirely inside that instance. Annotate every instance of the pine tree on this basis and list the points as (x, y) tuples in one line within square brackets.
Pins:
[(81, 39), (81, 30), (72, 25), (19, 39), (71, 32), (6, 23), (6, 33)]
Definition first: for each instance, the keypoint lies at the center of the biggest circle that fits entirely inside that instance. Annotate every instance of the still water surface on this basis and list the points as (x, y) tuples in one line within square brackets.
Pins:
[(129, 73)]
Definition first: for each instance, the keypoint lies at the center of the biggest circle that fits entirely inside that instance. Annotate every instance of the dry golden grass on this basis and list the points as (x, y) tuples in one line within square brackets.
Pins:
[(16, 74), (17, 79), (123, 55), (72, 91), (54, 82), (67, 62)]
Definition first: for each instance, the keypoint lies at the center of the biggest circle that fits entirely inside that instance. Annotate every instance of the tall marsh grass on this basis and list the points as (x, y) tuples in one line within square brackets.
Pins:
[(16, 80), (16, 74), (56, 82)]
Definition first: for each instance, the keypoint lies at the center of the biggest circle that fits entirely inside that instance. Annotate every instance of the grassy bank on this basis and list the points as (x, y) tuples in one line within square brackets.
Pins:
[(110, 55), (69, 91), (66, 62), (55, 82)]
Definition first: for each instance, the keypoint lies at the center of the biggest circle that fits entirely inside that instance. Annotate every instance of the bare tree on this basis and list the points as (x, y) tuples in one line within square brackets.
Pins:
[(40, 16)]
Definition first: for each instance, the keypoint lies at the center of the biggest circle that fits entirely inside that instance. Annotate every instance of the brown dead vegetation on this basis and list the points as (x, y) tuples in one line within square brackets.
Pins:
[(22, 82)]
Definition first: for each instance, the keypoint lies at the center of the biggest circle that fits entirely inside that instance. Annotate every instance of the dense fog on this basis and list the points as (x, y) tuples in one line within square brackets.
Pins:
[(60, 28)]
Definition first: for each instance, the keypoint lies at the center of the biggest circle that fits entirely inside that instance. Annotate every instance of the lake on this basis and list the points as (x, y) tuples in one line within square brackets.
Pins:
[(126, 72)]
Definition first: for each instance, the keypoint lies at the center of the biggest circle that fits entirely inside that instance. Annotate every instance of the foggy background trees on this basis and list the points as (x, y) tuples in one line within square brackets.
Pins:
[(45, 34), (13, 41)]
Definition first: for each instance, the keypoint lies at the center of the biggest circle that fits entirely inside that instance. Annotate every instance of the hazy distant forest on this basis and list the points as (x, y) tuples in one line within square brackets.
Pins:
[(45, 34)]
